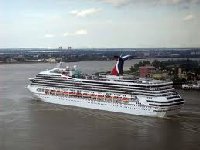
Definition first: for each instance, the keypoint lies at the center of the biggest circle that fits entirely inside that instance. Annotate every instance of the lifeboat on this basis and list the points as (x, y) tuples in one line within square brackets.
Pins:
[(72, 93), (86, 95), (124, 99), (93, 96), (58, 93), (100, 97), (115, 97), (65, 93), (108, 97), (79, 94)]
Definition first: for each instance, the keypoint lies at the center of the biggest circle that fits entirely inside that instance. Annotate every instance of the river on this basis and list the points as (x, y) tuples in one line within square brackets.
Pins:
[(28, 124)]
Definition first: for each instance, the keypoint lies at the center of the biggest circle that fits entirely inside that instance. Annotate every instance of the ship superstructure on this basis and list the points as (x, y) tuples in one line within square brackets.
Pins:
[(115, 93)]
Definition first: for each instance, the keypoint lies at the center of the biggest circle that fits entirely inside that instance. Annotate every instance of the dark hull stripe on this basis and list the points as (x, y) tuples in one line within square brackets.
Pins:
[(179, 100), (167, 105)]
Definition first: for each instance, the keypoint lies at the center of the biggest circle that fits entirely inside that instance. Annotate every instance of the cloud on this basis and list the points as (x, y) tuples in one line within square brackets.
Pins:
[(81, 32), (188, 17), (66, 34), (76, 33), (48, 35), (179, 2), (119, 3), (85, 12)]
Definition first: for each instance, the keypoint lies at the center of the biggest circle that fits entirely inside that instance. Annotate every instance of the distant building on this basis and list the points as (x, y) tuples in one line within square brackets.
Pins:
[(146, 54), (146, 71), (11, 60), (51, 60), (175, 55), (179, 72)]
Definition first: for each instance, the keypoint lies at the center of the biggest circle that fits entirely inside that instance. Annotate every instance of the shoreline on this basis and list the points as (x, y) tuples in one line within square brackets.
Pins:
[(41, 62), (157, 58)]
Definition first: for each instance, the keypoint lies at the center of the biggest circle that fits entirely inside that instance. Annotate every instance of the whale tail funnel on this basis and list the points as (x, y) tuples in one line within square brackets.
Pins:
[(118, 68)]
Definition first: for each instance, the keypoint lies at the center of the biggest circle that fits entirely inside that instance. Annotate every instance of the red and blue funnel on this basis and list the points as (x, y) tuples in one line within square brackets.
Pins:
[(118, 68)]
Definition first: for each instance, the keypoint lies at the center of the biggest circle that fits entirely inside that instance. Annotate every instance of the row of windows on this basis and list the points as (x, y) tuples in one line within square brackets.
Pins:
[(109, 83), (119, 105), (97, 90), (104, 88), (71, 82)]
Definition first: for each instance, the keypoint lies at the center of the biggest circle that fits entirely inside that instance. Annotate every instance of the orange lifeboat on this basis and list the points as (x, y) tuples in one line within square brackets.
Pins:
[(93, 96), (124, 99), (65, 93), (100, 97), (72, 93), (58, 93), (85, 95), (108, 97), (79, 94)]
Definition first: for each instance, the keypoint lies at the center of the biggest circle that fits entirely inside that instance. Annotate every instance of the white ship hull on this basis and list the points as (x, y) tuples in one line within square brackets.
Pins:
[(107, 106)]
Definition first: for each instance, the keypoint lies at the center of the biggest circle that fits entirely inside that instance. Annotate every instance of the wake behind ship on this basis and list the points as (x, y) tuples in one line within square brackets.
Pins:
[(115, 92)]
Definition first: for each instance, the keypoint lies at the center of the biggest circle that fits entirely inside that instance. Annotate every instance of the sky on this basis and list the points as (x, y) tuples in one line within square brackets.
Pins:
[(99, 23)]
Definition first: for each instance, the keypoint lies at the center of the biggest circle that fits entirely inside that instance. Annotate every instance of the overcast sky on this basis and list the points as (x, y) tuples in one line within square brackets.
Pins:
[(99, 23)]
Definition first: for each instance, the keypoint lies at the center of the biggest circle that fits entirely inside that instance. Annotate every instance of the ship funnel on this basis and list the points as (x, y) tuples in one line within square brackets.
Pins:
[(118, 68)]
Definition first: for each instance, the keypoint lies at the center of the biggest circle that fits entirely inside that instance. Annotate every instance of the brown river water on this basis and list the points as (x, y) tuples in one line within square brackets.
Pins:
[(29, 124)]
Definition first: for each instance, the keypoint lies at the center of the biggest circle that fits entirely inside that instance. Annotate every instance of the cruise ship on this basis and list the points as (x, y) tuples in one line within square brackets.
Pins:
[(114, 92)]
